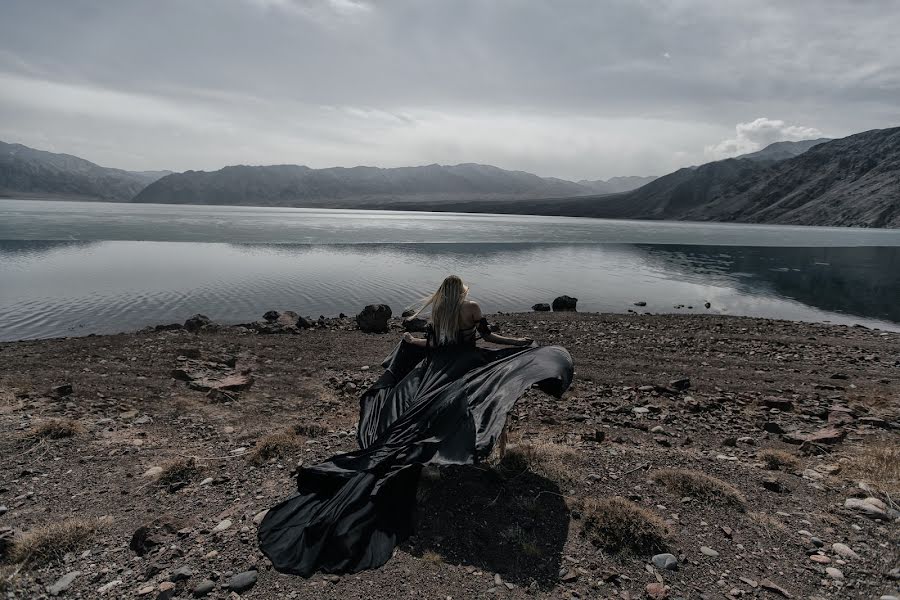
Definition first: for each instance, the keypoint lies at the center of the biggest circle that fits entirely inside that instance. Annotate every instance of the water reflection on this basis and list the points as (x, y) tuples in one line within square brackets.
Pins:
[(65, 288)]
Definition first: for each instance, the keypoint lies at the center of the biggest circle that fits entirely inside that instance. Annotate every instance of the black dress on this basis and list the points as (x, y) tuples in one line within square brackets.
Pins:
[(439, 405)]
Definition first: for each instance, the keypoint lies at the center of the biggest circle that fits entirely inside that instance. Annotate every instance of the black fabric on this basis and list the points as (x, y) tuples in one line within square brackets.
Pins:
[(438, 405)]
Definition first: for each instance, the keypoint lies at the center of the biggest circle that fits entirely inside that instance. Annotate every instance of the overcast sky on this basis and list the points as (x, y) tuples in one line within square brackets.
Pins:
[(567, 88)]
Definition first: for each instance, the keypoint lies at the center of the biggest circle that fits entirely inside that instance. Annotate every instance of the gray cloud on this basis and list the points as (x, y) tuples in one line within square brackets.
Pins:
[(572, 88)]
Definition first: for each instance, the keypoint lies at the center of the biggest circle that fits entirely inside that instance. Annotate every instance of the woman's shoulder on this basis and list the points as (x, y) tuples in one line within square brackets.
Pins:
[(471, 307)]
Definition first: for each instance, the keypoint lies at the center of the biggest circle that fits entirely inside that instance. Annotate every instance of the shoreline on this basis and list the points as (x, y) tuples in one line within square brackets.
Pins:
[(755, 386)]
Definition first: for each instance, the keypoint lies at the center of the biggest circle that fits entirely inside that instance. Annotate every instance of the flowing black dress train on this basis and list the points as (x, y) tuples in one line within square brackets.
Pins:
[(438, 405)]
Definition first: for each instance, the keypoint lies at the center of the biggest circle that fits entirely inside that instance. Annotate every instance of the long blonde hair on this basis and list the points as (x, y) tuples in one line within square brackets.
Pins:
[(446, 309)]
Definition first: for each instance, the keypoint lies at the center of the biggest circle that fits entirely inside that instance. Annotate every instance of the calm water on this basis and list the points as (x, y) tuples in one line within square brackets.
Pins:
[(78, 268)]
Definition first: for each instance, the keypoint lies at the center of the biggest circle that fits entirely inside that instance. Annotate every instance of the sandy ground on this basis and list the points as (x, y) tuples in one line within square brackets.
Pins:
[(485, 531)]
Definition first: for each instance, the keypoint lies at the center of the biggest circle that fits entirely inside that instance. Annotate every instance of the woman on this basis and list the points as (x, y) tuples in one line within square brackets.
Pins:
[(442, 400)]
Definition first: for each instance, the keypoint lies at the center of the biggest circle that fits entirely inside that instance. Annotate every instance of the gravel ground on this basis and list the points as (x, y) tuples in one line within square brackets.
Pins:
[(746, 385)]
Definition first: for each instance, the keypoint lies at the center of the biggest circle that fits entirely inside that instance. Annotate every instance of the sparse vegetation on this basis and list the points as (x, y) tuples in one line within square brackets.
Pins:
[(432, 557), (779, 460), (179, 470), (49, 543), (617, 524), (554, 461), (8, 577), (877, 465), (55, 429), (277, 445), (310, 430), (700, 486)]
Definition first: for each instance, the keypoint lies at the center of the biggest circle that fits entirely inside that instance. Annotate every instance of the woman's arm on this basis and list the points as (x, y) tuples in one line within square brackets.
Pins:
[(409, 339), (489, 336)]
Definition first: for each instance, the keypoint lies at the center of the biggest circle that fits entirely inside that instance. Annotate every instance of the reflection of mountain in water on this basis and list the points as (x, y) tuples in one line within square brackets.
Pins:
[(857, 281), (27, 248)]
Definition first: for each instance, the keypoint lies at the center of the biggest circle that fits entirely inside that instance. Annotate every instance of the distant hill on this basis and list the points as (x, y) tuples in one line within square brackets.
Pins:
[(292, 185), (783, 150), (853, 181), (616, 184), (30, 172)]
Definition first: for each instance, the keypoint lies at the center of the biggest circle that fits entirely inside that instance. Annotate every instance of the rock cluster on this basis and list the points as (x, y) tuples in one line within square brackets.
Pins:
[(374, 318)]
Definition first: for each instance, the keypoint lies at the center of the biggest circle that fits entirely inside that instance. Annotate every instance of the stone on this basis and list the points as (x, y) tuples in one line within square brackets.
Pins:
[(834, 573), (773, 485), (63, 583), (657, 591), (844, 550), (3, 510), (640, 303), (820, 558), (147, 589), (867, 506), (680, 384), (203, 588), (665, 561), (197, 323), (258, 517), (541, 307), (143, 540), (374, 318), (708, 551), (242, 581), (181, 573), (415, 324), (564, 304), (153, 471), (61, 390), (222, 526), (108, 586), (774, 587), (166, 591), (782, 404), (773, 427), (827, 436)]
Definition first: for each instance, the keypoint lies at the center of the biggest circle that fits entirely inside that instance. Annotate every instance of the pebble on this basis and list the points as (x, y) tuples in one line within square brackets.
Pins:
[(147, 589), (3, 510), (183, 572), (820, 558), (242, 581), (816, 542), (834, 573), (203, 588), (108, 586), (222, 526), (153, 471), (708, 551), (63, 583), (665, 561), (260, 516), (844, 550), (207, 481), (166, 590)]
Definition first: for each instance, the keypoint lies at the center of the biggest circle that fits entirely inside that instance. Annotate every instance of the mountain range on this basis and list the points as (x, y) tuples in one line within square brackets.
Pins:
[(852, 181)]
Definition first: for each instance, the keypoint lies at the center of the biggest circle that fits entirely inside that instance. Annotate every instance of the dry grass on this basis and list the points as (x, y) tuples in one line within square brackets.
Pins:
[(8, 577), (878, 465), (779, 460), (700, 486), (618, 525), (55, 429), (49, 543), (178, 470), (310, 430), (556, 462), (277, 445), (432, 557)]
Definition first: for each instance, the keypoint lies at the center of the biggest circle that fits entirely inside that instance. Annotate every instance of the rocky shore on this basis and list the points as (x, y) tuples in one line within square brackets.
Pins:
[(694, 457)]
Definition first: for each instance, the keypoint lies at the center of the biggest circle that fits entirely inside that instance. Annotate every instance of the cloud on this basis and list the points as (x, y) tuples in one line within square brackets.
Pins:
[(756, 135)]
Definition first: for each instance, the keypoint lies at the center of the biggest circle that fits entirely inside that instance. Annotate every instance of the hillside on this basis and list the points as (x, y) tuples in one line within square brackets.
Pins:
[(292, 185), (30, 172), (853, 181)]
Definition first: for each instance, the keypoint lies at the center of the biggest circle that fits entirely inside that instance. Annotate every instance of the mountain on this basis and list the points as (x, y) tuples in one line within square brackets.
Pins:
[(615, 184), (852, 181), (25, 171), (292, 185), (783, 150)]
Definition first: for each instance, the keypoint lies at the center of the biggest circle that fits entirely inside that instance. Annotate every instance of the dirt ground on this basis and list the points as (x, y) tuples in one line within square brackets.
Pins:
[(822, 524)]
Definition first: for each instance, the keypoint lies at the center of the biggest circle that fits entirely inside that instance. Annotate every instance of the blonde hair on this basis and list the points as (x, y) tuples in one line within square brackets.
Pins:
[(446, 309)]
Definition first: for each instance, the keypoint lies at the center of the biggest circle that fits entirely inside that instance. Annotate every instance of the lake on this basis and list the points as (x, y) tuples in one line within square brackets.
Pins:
[(74, 268)]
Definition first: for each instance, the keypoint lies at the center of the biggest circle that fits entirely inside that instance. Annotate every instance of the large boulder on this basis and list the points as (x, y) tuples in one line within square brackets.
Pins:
[(280, 321), (564, 303), (374, 318), (541, 307), (415, 324), (198, 322)]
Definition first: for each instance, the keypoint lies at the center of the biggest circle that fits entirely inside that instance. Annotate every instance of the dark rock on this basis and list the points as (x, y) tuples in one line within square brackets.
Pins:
[(707, 305), (680, 384), (169, 327), (870, 421), (775, 402), (773, 485), (197, 323), (407, 313), (242, 581), (271, 316), (415, 324), (665, 561), (6, 542), (374, 318), (183, 572), (840, 376), (63, 389), (541, 307), (564, 303), (143, 540), (203, 588), (641, 303), (773, 427)]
